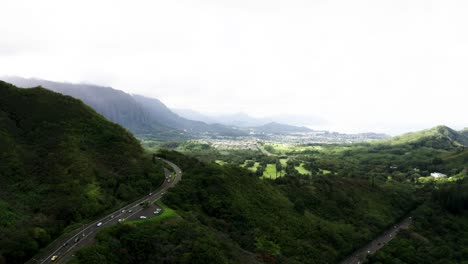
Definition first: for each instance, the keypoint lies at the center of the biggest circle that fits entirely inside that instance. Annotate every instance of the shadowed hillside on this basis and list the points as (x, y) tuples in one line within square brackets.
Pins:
[(61, 163)]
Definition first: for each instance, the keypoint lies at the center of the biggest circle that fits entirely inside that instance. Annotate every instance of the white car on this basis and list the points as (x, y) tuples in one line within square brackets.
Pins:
[(121, 219), (99, 224), (142, 217)]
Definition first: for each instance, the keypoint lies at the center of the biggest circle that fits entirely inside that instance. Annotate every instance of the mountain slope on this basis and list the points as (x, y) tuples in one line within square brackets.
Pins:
[(237, 119), (231, 213), (440, 137), (276, 128), (115, 105), (61, 162), (464, 132), (243, 120), (158, 111), (139, 114)]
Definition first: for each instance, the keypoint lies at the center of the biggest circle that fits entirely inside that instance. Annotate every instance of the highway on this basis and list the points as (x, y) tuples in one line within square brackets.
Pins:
[(264, 151), (360, 255), (67, 246)]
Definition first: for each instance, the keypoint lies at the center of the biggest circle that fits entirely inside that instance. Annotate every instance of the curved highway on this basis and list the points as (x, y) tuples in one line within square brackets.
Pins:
[(360, 255), (66, 247)]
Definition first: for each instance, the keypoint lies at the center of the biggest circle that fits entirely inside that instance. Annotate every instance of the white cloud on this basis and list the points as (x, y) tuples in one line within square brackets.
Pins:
[(362, 65)]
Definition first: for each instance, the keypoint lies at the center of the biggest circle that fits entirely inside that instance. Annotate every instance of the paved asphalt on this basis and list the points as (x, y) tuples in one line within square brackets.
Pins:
[(84, 236), (360, 255)]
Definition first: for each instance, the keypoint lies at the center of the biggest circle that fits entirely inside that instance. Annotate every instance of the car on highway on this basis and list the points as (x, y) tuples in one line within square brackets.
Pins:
[(123, 211), (99, 224), (169, 180), (77, 239), (121, 220), (54, 258), (142, 217), (129, 211), (112, 216), (65, 244)]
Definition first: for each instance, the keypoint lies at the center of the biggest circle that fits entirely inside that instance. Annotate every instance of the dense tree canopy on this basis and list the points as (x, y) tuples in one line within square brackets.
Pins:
[(60, 163)]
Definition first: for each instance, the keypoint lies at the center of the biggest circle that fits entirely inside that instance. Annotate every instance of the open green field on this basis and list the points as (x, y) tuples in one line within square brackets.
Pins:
[(253, 168), (283, 162), (270, 172), (325, 172), (220, 162), (301, 169)]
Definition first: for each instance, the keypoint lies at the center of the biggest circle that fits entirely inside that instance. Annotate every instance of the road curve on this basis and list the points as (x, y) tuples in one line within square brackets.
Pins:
[(67, 246), (370, 248), (264, 151)]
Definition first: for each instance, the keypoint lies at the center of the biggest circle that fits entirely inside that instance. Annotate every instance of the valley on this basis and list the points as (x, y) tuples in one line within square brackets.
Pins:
[(233, 132), (281, 197)]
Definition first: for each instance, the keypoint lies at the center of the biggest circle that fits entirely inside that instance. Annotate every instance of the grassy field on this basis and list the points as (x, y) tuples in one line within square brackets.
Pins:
[(302, 170), (283, 162), (220, 162), (270, 172), (254, 167)]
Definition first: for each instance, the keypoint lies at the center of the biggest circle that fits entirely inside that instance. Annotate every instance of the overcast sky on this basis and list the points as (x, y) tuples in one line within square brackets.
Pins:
[(386, 66)]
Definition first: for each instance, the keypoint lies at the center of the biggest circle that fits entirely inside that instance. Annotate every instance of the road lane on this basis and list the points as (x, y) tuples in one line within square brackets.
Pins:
[(85, 235), (370, 248)]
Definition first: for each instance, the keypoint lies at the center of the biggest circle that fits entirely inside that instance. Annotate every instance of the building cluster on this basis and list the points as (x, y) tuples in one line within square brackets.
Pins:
[(247, 144)]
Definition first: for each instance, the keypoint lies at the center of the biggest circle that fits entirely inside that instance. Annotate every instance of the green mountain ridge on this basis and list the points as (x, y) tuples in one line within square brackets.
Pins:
[(61, 163), (156, 110), (440, 137), (141, 115)]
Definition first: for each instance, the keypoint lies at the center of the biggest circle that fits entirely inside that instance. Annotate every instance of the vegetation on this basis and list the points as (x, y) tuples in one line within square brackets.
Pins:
[(61, 163), (66, 164), (290, 219), (439, 233)]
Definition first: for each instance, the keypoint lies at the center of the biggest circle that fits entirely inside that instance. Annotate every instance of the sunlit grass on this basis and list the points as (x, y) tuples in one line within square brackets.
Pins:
[(270, 172), (283, 162), (301, 169), (220, 162)]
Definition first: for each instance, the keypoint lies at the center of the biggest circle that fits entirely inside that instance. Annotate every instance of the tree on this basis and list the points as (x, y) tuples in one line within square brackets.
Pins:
[(278, 167)]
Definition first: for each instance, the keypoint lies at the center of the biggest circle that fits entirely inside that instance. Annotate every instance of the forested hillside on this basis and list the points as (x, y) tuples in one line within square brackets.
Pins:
[(113, 104), (291, 220), (141, 115), (60, 163), (440, 137), (439, 233)]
